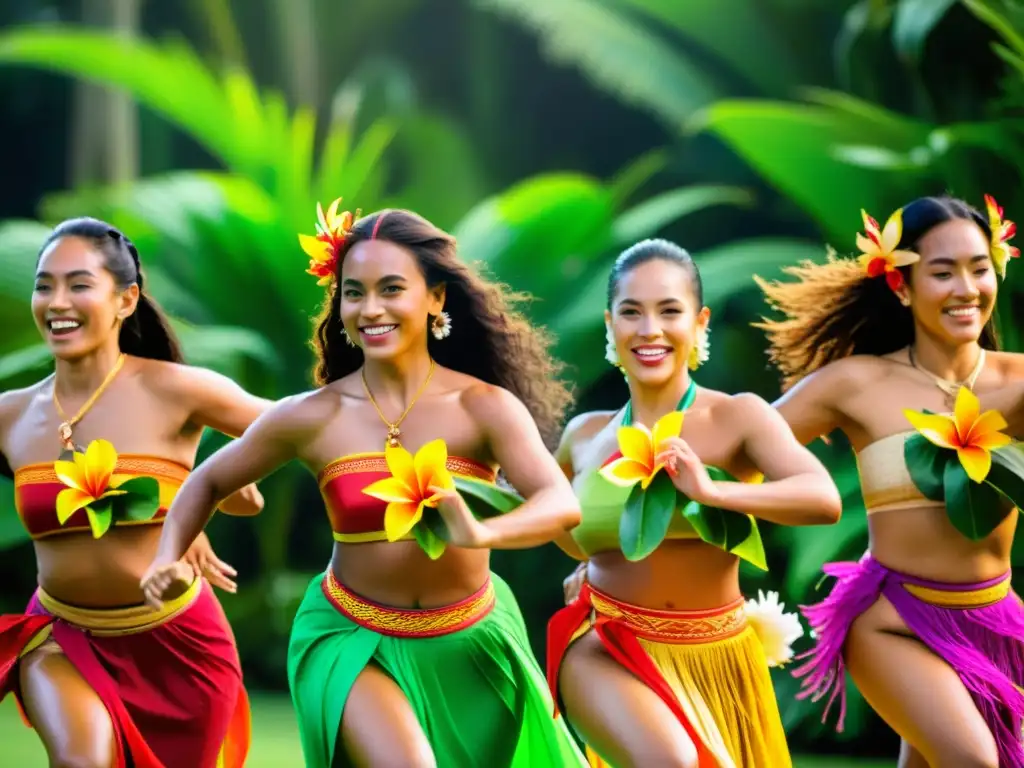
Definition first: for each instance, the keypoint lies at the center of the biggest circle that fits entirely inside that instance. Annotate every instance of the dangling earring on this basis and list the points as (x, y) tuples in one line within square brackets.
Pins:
[(701, 351), (610, 353), (346, 337), (442, 326)]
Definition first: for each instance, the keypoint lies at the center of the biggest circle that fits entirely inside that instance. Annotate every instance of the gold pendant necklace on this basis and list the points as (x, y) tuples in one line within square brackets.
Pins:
[(951, 387), (65, 430), (394, 433)]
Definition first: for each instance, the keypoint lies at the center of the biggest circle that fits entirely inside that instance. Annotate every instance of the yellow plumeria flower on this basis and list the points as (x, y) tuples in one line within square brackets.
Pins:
[(89, 478), (1003, 231), (639, 446), (879, 253), (407, 491), (331, 230), (972, 434)]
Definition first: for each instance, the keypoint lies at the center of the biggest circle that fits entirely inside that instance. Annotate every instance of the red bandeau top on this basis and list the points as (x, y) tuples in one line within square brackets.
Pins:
[(36, 487), (356, 517)]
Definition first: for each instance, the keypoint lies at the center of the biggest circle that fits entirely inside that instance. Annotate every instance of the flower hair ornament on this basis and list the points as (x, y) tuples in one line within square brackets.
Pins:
[(878, 249), (1003, 231), (332, 229)]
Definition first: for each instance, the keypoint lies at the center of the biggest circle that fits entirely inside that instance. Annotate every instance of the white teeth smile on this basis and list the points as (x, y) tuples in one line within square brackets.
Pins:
[(962, 311), (63, 325), (650, 353), (378, 330)]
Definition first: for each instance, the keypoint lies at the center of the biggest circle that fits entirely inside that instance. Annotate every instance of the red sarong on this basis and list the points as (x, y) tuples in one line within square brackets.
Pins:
[(170, 680)]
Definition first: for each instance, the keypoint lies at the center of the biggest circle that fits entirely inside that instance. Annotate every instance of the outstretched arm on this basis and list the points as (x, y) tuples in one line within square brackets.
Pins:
[(266, 445), (797, 489), (550, 508), (217, 402), (807, 407)]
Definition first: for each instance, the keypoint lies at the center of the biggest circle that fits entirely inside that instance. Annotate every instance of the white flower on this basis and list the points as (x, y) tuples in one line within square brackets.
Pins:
[(704, 345), (776, 629), (610, 353)]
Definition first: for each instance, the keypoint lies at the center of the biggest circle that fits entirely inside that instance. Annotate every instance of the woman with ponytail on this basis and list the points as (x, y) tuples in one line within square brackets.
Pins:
[(408, 651), (97, 451), (657, 659), (899, 351)]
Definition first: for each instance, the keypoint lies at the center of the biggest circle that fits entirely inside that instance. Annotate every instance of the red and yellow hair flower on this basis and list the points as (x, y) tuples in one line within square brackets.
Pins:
[(879, 253), (1003, 231), (331, 230)]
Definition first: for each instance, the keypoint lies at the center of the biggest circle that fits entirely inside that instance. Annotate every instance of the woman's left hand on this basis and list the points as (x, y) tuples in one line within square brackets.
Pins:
[(464, 530), (687, 471), (204, 562)]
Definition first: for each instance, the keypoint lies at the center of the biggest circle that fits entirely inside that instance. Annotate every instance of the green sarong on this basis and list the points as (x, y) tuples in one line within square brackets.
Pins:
[(478, 691)]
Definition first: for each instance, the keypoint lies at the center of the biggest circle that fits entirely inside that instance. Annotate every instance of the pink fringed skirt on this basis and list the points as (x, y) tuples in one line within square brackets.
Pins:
[(978, 629)]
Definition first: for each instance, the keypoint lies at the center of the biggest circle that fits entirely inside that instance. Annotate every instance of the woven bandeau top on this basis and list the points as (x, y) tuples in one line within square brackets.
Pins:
[(356, 517), (36, 487), (884, 479)]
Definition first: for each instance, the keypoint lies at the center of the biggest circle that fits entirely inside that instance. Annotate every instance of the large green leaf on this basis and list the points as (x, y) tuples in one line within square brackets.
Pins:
[(778, 140), (742, 34), (225, 114), (659, 211), (646, 518), (974, 509), (1007, 473), (431, 534), (626, 57), (926, 464), (141, 500), (914, 22), (486, 499)]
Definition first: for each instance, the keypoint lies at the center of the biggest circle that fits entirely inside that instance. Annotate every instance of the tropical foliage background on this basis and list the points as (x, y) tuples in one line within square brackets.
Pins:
[(547, 136)]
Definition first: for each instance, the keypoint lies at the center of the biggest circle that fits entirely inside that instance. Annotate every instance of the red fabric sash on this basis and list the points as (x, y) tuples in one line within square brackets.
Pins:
[(620, 641), (174, 692)]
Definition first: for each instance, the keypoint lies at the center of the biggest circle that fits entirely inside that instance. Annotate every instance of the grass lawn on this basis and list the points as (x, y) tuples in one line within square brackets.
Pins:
[(275, 740)]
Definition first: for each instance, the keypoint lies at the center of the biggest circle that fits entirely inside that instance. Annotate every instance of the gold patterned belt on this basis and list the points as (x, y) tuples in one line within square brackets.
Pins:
[(673, 626), (108, 622), (409, 622)]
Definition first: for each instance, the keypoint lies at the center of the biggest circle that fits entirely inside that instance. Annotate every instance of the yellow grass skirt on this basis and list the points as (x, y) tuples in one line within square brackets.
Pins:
[(714, 664)]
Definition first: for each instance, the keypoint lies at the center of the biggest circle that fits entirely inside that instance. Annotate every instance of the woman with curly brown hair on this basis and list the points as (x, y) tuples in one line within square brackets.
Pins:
[(406, 652), (926, 622)]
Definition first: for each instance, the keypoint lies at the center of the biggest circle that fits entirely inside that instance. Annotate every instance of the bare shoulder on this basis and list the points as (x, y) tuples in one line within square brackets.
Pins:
[(484, 402), (177, 380), (1010, 365), (15, 402), (841, 377), (742, 410), (303, 415)]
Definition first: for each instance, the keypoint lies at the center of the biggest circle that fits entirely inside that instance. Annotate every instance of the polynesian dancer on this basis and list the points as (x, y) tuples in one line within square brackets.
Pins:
[(659, 660), (104, 679), (408, 650), (882, 348)]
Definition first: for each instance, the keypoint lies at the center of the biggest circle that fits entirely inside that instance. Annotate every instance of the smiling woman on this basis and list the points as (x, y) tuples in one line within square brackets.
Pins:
[(408, 650), (882, 348), (658, 660), (104, 679)]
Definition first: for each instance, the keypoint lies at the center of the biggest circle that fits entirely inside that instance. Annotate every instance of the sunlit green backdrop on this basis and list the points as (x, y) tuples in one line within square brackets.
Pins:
[(547, 136)]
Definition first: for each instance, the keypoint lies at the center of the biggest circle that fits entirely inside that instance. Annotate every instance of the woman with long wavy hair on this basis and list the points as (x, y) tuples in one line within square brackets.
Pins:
[(98, 450), (659, 660), (898, 350), (402, 654)]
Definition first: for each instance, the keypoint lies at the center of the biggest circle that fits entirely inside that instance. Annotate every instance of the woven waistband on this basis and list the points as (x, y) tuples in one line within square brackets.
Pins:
[(960, 595), (672, 626), (409, 622), (107, 622)]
